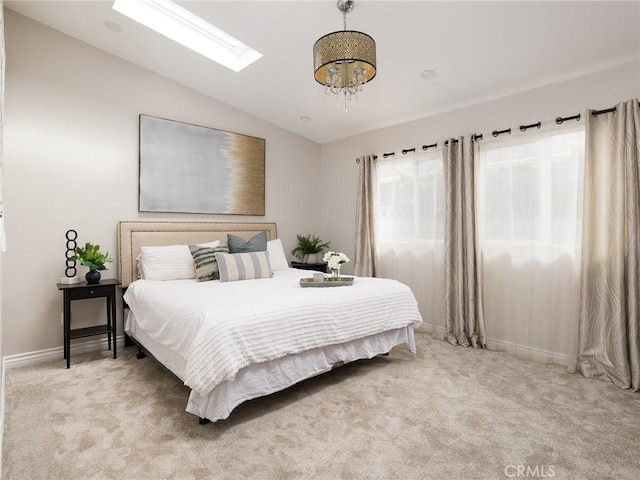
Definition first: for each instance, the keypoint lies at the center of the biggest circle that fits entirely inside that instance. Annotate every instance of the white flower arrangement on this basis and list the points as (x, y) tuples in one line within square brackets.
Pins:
[(335, 259)]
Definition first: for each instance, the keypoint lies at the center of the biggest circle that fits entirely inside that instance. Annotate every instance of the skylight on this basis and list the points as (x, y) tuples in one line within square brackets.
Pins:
[(182, 26)]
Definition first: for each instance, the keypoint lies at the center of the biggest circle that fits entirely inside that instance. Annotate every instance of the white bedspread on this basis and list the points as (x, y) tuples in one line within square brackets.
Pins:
[(219, 328)]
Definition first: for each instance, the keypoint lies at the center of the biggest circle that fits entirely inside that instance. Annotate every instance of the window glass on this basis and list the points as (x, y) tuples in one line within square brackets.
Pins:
[(410, 198)]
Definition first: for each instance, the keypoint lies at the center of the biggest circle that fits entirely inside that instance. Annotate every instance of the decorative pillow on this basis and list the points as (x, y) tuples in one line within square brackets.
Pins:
[(204, 259), (277, 258), (172, 262), (257, 243), (243, 266)]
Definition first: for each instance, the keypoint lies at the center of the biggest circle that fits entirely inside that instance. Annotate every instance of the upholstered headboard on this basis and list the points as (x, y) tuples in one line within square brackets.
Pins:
[(132, 236)]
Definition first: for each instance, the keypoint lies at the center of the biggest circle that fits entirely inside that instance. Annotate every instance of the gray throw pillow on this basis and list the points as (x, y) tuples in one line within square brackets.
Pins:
[(257, 243), (204, 260)]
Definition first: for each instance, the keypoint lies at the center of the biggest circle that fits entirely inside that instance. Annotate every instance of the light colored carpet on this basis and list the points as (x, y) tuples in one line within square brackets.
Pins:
[(450, 413)]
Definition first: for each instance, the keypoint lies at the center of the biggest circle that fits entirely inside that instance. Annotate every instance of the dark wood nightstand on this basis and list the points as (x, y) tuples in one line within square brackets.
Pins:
[(80, 291), (318, 267)]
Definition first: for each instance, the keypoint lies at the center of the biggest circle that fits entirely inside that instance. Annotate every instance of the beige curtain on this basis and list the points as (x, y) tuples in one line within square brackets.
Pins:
[(609, 338), (464, 320), (366, 263)]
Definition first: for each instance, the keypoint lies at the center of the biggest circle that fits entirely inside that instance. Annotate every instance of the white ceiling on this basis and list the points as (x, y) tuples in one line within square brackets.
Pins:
[(480, 51)]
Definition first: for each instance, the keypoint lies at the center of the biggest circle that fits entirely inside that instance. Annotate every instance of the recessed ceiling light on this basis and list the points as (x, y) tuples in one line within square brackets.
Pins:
[(182, 26), (428, 74), (113, 26), (305, 118)]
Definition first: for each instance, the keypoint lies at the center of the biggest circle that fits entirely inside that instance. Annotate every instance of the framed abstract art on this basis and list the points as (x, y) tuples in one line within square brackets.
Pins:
[(187, 168)]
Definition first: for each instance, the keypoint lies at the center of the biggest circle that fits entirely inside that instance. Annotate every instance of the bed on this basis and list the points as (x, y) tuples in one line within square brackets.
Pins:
[(232, 341)]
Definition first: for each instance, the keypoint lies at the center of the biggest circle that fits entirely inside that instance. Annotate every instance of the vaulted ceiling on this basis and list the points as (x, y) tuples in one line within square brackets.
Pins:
[(479, 50)]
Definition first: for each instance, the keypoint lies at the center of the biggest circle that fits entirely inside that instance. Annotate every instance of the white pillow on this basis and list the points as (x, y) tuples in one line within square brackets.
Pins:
[(172, 262), (277, 258)]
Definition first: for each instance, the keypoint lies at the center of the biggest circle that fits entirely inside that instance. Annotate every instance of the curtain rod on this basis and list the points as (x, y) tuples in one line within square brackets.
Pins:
[(495, 133)]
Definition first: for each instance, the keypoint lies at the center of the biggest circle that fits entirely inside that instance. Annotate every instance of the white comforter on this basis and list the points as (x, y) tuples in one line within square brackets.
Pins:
[(219, 328)]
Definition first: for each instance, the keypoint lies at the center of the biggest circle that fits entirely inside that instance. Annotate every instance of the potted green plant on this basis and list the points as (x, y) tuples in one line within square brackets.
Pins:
[(308, 247), (91, 257)]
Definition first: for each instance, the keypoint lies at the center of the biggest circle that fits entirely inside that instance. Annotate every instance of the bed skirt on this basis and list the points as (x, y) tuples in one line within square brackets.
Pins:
[(262, 379)]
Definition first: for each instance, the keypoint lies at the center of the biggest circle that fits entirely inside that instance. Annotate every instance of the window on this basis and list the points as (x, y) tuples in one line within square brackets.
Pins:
[(529, 200), (528, 191), (410, 224), (411, 198), (529, 218)]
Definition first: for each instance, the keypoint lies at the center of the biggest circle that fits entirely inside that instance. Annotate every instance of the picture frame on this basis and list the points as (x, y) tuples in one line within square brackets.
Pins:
[(186, 168)]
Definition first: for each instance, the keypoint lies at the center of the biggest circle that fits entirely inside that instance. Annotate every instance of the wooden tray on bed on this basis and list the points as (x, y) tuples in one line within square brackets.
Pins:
[(328, 282)]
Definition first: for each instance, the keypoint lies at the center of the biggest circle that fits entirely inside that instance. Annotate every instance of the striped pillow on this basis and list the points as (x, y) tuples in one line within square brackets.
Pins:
[(204, 259), (243, 266)]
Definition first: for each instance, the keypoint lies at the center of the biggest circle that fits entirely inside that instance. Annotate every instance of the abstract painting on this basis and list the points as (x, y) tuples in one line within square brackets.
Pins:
[(187, 168)]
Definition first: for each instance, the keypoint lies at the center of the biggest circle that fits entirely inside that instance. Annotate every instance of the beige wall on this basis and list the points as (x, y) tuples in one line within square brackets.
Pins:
[(71, 161), (596, 91)]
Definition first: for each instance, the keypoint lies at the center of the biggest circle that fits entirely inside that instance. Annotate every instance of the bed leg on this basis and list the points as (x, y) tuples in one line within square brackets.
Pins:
[(140, 355), (203, 421)]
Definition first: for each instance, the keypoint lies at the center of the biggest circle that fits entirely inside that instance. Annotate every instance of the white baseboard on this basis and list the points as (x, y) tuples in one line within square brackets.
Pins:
[(30, 358), (437, 331), (426, 328), (521, 351), (1, 412), (528, 353)]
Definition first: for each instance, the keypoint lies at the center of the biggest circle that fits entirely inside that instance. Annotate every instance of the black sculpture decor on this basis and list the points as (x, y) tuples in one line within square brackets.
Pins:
[(72, 236)]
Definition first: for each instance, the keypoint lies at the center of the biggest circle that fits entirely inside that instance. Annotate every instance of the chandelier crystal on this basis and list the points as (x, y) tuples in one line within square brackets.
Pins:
[(344, 60)]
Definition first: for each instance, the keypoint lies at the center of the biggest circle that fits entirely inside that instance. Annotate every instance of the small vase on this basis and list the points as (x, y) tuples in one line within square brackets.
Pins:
[(336, 274), (92, 277)]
